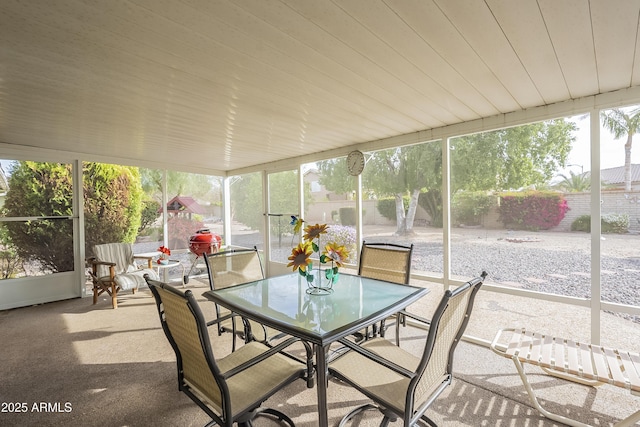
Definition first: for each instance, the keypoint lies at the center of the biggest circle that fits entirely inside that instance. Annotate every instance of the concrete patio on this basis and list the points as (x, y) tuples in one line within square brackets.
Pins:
[(116, 368)]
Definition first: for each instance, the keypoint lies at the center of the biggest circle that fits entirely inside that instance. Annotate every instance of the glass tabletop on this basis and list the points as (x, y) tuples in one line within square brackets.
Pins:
[(283, 303)]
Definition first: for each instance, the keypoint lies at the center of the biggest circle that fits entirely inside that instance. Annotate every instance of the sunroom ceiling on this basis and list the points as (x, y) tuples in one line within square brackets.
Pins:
[(201, 84)]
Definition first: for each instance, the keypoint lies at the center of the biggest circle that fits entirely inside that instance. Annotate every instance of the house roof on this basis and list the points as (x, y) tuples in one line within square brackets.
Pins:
[(223, 85), (616, 175), (184, 204)]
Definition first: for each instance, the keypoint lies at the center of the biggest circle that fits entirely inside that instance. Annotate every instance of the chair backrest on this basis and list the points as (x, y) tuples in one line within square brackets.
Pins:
[(233, 267), (445, 331), (386, 261), (119, 253), (185, 327)]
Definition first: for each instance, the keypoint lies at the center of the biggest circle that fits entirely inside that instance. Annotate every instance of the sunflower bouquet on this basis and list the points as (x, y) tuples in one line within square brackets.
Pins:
[(332, 254)]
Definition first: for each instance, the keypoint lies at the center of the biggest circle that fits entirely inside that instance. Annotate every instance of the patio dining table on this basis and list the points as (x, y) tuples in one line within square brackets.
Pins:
[(282, 303)]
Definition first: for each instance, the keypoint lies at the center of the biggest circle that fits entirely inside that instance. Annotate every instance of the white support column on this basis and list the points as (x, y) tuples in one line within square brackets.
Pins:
[(266, 220), (226, 211), (78, 226), (165, 227), (446, 212), (359, 216), (596, 229), (300, 194)]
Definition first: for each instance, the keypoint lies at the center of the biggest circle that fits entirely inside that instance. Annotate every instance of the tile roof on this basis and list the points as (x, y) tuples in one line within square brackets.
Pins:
[(616, 175)]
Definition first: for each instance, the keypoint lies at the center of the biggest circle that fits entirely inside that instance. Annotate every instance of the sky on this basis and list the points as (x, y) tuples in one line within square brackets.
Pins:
[(612, 150)]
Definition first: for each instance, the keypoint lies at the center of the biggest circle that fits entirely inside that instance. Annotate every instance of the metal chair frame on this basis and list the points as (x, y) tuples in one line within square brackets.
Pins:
[(230, 258), (363, 270), (258, 354), (408, 412)]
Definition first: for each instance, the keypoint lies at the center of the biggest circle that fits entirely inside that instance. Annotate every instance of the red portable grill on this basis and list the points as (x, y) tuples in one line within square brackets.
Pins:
[(201, 243)]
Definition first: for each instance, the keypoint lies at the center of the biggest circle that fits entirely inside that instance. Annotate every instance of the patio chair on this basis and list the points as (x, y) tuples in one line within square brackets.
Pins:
[(400, 384), (229, 389), (114, 268), (390, 262), (233, 267)]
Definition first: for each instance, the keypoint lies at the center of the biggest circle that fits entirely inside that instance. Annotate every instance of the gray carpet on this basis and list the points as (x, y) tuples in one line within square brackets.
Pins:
[(75, 364)]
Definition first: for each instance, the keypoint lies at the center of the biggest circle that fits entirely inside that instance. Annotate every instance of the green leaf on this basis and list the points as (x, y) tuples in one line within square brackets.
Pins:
[(315, 247)]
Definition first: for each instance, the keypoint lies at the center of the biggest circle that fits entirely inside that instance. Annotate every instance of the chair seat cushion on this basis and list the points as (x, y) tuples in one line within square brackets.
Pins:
[(134, 279), (250, 385), (385, 384)]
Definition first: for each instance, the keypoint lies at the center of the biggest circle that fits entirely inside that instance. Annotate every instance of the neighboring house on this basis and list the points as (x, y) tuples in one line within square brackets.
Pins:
[(184, 206), (613, 178), (318, 191)]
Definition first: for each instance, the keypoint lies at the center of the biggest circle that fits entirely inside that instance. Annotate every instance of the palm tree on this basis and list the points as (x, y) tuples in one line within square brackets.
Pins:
[(575, 183), (622, 123)]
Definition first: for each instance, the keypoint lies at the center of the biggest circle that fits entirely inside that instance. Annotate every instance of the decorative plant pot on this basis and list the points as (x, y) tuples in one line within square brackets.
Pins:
[(163, 261)]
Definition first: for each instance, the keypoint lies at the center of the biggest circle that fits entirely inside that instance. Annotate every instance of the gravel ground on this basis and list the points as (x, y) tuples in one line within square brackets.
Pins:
[(557, 263)]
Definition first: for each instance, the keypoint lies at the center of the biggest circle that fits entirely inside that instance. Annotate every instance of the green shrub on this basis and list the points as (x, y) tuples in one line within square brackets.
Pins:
[(468, 207), (112, 208), (609, 223), (582, 223), (615, 223), (348, 216), (532, 210), (149, 215), (387, 207)]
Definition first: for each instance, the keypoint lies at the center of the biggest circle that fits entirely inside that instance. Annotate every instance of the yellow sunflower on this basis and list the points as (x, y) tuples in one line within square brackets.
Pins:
[(336, 253), (314, 231), (300, 256)]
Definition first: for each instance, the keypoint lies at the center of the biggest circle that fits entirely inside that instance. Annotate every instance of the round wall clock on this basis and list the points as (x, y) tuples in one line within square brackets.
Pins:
[(355, 162)]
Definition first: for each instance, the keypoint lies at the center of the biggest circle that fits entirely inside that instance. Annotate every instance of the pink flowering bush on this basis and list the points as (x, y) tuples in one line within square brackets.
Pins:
[(532, 210)]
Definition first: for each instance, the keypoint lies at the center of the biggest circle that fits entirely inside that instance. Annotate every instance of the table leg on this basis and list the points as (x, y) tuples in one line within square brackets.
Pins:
[(321, 385)]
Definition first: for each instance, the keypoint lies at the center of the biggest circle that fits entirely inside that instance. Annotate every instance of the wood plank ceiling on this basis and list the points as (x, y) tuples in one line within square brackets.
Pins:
[(222, 85)]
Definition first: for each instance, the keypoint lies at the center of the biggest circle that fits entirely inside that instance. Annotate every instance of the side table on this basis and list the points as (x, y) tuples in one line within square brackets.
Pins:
[(165, 271)]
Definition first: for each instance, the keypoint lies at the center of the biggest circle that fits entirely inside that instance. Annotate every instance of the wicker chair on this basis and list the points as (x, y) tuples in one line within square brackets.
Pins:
[(113, 268), (390, 262), (233, 267), (229, 389), (401, 384)]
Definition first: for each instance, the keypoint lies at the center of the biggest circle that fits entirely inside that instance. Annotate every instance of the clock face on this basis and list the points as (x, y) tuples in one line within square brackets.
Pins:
[(355, 162)]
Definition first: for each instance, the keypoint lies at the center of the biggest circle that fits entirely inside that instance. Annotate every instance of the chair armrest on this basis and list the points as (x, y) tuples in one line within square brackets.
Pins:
[(147, 257), (93, 261), (416, 317), (262, 356), (220, 319), (496, 346), (378, 359)]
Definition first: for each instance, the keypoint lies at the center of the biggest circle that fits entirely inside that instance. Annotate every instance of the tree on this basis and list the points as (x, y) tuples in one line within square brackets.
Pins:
[(203, 187), (406, 171), (112, 196), (575, 183), (149, 214), (499, 160), (623, 123), (246, 199), (112, 203), (511, 158)]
